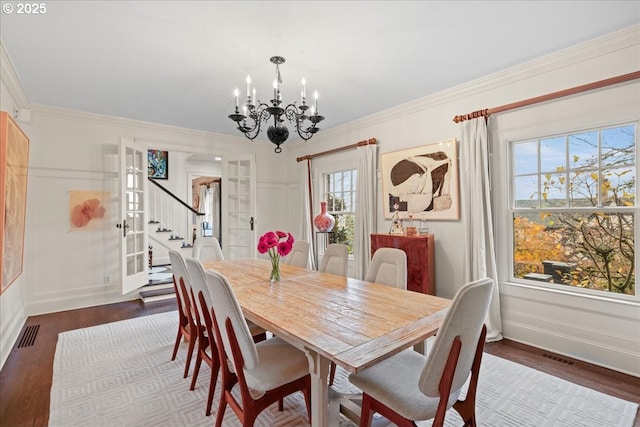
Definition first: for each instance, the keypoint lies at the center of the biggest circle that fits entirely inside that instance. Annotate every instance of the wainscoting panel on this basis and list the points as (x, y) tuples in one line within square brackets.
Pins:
[(597, 330), (71, 267)]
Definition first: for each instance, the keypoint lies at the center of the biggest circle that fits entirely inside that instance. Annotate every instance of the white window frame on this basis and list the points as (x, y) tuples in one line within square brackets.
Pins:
[(353, 191), (513, 210), (502, 164)]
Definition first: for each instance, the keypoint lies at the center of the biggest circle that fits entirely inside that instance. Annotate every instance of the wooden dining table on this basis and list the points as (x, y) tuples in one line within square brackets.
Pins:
[(350, 322)]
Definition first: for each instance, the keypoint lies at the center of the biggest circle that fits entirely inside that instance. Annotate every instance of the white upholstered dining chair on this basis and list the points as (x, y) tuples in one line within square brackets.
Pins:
[(334, 260), (265, 372), (207, 249), (388, 267), (207, 349), (411, 387), (299, 255)]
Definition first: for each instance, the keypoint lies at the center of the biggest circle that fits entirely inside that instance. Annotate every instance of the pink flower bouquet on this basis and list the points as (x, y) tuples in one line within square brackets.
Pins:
[(276, 244)]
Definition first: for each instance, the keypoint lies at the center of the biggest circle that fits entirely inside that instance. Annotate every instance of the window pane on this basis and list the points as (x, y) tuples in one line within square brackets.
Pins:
[(553, 156), (554, 191), (619, 187), (526, 191), (618, 146), (592, 250), (523, 153), (583, 190), (583, 150)]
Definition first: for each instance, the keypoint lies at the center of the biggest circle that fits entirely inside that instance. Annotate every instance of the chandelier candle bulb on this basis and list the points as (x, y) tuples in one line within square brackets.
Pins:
[(315, 97), (236, 93), (304, 89), (248, 86)]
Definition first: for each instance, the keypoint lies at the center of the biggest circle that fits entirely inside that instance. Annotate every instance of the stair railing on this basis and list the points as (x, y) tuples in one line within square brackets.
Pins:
[(172, 214)]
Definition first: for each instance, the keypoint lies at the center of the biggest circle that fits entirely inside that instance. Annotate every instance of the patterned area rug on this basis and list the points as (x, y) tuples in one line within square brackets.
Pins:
[(119, 374)]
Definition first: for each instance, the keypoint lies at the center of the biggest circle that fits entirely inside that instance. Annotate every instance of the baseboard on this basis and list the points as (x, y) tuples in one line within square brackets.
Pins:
[(10, 334), (580, 349)]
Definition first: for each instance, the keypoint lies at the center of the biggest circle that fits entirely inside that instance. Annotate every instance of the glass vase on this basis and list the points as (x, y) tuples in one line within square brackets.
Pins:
[(275, 269)]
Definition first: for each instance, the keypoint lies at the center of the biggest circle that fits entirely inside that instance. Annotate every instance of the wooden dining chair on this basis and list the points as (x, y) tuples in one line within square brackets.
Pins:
[(187, 326), (207, 348), (265, 372), (334, 260), (299, 255), (410, 387), (207, 249)]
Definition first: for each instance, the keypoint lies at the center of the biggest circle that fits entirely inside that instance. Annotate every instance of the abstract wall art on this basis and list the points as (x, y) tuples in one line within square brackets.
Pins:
[(158, 164), (422, 182), (14, 165)]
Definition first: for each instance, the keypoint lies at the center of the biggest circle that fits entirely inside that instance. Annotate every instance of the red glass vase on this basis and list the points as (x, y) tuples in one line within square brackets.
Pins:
[(324, 221)]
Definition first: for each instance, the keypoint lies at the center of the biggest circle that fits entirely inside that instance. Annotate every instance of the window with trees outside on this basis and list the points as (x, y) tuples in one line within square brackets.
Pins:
[(573, 205), (340, 195)]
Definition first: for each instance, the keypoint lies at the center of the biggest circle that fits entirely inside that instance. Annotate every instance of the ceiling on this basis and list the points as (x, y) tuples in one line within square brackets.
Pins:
[(178, 62)]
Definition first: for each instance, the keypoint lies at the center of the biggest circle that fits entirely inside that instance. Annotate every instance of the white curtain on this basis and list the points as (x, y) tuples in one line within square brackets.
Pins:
[(304, 169), (365, 223), (480, 258)]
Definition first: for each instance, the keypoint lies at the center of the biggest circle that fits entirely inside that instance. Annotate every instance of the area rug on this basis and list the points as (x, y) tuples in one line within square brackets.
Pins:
[(120, 374)]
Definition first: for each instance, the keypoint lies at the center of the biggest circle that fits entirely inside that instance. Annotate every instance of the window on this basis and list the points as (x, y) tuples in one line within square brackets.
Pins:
[(340, 195), (573, 209)]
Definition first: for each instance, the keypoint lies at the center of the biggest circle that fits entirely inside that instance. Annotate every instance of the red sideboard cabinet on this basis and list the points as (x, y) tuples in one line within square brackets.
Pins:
[(421, 275)]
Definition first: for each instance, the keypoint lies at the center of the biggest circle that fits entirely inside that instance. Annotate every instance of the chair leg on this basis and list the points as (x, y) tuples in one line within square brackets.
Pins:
[(192, 344), (196, 370), (222, 406), (177, 344), (365, 414), (212, 387)]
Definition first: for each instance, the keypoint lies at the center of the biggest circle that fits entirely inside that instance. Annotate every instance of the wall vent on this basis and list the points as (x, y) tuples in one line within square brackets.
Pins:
[(558, 359), (29, 336)]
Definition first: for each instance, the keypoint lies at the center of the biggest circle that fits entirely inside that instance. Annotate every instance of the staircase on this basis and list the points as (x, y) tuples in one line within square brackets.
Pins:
[(168, 229)]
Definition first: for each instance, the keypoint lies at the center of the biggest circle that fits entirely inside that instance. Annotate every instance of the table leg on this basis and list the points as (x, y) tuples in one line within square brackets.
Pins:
[(319, 370)]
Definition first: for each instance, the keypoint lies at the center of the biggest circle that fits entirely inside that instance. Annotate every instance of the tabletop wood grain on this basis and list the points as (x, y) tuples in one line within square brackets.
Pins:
[(350, 322)]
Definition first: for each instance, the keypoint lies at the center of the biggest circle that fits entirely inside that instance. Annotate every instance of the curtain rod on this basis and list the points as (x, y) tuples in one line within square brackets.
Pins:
[(337, 150), (550, 96)]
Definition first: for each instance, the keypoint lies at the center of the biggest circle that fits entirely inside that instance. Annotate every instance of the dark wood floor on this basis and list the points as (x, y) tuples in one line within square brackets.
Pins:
[(25, 379)]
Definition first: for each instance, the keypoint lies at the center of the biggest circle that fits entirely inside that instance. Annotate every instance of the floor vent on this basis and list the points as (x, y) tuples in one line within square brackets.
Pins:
[(29, 336), (558, 359)]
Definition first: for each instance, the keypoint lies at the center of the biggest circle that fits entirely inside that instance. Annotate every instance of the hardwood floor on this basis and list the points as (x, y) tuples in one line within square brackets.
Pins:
[(25, 379)]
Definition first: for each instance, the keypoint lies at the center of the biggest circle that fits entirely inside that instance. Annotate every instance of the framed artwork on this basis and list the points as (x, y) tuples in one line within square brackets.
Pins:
[(14, 165), (158, 164), (87, 209), (421, 182)]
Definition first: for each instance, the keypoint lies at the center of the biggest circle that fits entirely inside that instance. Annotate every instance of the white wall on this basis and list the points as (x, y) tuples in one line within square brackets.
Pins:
[(612, 336)]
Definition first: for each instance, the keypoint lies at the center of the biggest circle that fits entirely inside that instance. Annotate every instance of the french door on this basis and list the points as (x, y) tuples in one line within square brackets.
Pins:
[(238, 207), (133, 216)]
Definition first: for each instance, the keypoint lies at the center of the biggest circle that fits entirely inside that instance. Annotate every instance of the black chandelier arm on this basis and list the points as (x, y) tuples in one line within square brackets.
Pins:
[(296, 115), (256, 115)]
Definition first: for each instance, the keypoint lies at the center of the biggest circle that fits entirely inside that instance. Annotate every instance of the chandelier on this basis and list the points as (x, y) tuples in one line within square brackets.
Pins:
[(254, 112)]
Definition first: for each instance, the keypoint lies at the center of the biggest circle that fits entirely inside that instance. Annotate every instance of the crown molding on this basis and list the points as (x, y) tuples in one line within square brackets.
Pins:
[(11, 79), (622, 39)]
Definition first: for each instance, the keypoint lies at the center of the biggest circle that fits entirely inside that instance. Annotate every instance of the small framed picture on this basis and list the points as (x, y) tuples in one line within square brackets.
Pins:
[(158, 164)]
